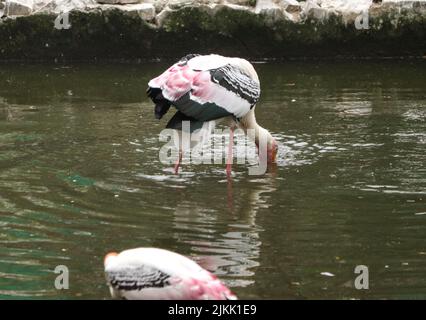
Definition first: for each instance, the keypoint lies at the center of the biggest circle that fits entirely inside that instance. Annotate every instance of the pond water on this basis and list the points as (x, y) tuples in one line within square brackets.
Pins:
[(80, 176)]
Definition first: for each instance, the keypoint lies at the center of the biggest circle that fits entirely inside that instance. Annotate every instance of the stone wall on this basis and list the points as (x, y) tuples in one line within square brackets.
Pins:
[(153, 29)]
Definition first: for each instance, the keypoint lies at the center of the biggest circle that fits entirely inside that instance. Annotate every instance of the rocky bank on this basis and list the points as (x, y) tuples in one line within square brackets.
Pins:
[(167, 29)]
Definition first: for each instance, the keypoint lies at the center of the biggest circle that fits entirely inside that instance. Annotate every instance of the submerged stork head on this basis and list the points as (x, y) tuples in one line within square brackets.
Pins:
[(272, 151)]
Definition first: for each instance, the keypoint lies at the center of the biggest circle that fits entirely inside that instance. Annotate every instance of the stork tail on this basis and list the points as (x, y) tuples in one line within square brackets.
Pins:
[(162, 105)]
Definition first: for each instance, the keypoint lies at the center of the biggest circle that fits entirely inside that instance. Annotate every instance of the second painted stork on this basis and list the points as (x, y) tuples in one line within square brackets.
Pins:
[(206, 88), (158, 274)]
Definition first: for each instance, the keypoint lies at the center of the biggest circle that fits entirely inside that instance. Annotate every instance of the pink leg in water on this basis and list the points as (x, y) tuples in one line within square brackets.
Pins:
[(178, 162), (230, 156)]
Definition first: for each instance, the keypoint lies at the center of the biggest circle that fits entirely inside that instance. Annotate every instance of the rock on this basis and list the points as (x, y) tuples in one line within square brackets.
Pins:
[(402, 4), (118, 1), (58, 6), (292, 16), (291, 6), (272, 12), (346, 7), (242, 2), (19, 7), (279, 10), (162, 16), (177, 4), (159, 5), (265, 6), (317, 13), (44, 5), (234, 7), (145, 10), (419, 5), (321, 10), (308, 5)]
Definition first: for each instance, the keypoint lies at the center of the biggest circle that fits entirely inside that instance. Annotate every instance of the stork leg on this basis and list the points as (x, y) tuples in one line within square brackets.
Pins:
[(230, 197), (230, 155), (179, 159)]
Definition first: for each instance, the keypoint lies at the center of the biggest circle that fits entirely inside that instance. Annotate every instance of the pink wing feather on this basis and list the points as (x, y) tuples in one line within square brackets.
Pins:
[(210, 288), (176, 81), (180, 79)]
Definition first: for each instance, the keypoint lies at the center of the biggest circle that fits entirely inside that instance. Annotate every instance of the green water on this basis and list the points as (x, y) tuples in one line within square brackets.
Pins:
[(80, 176)]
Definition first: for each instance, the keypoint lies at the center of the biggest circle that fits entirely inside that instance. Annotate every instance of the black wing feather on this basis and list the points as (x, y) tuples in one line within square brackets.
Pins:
[(137, 278), (162, 105), (234, 79)]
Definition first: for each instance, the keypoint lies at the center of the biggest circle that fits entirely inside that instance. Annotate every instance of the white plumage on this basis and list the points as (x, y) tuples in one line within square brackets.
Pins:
[(151, 273), (208, 62)]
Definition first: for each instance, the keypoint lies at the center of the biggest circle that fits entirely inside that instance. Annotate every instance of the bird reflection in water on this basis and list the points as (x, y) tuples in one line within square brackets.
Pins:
[(226, 238)]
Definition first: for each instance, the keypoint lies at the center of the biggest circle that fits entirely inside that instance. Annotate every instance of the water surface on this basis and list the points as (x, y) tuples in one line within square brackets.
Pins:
[(80, 176)]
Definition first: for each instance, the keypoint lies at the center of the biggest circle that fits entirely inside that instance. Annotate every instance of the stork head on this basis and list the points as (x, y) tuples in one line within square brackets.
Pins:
[(271, 144), (109, 257)]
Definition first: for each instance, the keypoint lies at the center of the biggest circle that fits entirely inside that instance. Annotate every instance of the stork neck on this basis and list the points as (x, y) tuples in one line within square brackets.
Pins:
[(249, 123)]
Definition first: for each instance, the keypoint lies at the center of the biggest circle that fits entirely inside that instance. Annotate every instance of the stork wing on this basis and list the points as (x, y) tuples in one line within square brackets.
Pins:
[(206, 95), (136, 278), (235, 80)]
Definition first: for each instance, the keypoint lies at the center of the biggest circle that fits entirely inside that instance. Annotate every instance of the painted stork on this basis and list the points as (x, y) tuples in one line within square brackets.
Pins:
[(151, 274), (206, 88)]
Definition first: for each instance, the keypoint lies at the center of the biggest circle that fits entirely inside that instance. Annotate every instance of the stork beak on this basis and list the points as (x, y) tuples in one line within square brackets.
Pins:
[(108, 256)]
